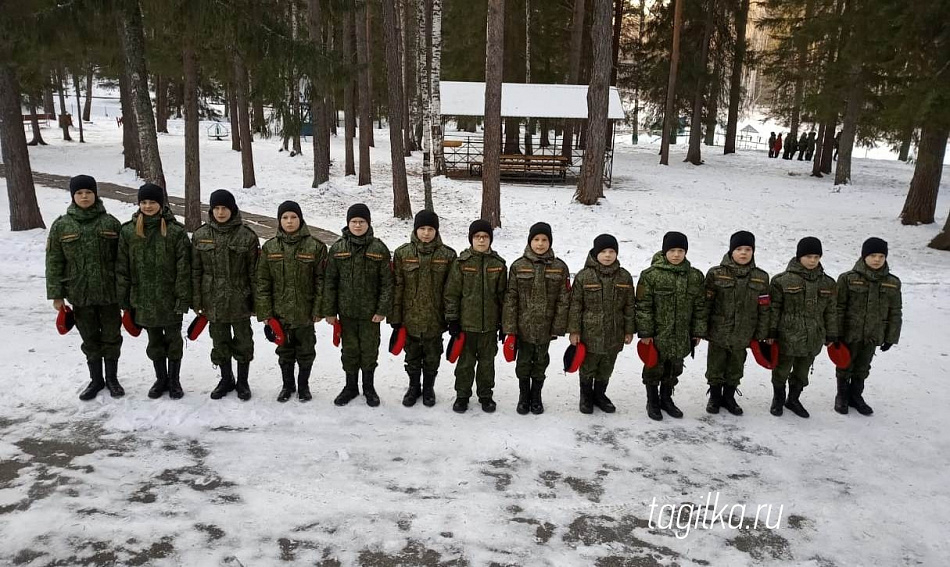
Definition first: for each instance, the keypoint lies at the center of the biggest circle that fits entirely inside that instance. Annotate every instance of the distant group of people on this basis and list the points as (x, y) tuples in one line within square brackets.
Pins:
[(805, 146)]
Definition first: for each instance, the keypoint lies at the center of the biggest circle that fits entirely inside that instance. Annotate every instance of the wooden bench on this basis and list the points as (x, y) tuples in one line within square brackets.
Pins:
[(452, 143), (44, 118), (528, 166)]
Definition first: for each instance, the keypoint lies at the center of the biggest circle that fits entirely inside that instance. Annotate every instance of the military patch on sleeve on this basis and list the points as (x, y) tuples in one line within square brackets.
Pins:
[(826, 292), (553, 271), (592, 286), (765, 299), (725, 277), (856, 281)]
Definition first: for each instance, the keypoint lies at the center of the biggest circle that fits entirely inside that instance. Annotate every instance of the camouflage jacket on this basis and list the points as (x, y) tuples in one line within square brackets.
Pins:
[(803, 313), (869, 305), (737, 300), (475, 292), (421, 271), (224, 270), (602, 306), (81, 252), (671, 306), (359, 280), (290, 275), (538, 297), (153, 274)]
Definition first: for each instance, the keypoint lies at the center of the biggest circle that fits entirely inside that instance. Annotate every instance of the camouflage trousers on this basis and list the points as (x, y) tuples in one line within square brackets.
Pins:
[(725, 367), (533, 360), (665, 372), (165, 342), (423, 354), (598, 366), (861, 356), (231, 340), (360, 342), (792, 369), (99, 326), (299, 346), (479, 350)]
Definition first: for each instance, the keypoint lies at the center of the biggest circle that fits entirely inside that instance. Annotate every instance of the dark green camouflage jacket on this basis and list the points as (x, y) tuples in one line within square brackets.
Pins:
[(224, 270), (81, 251), (671, 306), (602, 306), (359, 278), (475, 292), (737, 300), (538, 298), (153, 274), (803, 313), (290, 274), (869, 305), (421, 271)]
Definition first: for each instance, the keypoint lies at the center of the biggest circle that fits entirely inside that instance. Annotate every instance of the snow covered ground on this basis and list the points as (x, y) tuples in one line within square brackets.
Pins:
[(200, 482)]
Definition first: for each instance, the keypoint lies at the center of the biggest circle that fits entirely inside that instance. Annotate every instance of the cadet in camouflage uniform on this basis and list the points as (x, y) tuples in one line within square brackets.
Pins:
[(869, 315), (153, 277), (474, 296), (789, 149), (224, 274), (803, 319), (421, 268), (737, 300), (80, 267), (602, 317), (536, 307), (359, 289), (671, 313), (290, 275), (802, 146), (810, 149)]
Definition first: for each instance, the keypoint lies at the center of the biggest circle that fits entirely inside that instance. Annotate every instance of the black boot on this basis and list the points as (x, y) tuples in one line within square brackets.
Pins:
[(287, 378), (303, 384), (601, 401), (715, 399), (653, 402), (460, 405), (856, 400), (843, 397), (350, 390), (225, 384), (369, 388), (666, 401), (415, 389), (587, 395), (778, 400), (537, 407), (112, 378), (524, 396), (161, 379), (242, 387), (428, 388), (96, 383), (793, 403), (174, 380), (488, 404), (729, 400)]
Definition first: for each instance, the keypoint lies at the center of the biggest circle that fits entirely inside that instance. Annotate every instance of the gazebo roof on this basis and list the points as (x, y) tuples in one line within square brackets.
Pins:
[(521, 100)]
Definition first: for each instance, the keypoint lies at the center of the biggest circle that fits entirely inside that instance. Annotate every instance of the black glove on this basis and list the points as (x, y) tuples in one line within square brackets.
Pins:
[(455, 328), (501, 335), (886, 347), (396, 326), (833, 340)]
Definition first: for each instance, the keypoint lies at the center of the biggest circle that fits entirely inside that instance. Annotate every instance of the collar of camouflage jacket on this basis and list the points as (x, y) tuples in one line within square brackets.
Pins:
[(741, 271), (302, 232), (796, 267), (874, 275), (232, 223), (660, 261), (593, 264), (358, 240), (86, 215), (426, 247), (165, 213), (470, 252), (545, 258)]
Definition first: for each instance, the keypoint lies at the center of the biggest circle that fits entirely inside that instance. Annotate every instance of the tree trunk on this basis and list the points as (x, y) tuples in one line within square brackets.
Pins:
[(49, 105), (816, 159), (62, 84), (574, 71), (669, 118), (694, 154), (192, 153), (244, 120), (426, 88), (133, 45), (318, 104), (24, 210), (87, 108), (402, 209), (942, 240), (161, 103), (828, 148), (370, 98), (349, 102), (35, 124), (617, 35), (849, 126), (735, 82), (512, 136), (590, 185), (712, 104), (545, 140), (921, 203), (82, 137), (906, 140), (259, 125), (234, 118), (494, 67), (408, 77), (132, 157), (435, 108), (422, 75), (365, 103)]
